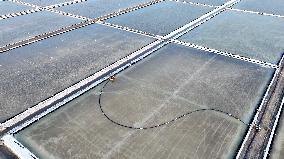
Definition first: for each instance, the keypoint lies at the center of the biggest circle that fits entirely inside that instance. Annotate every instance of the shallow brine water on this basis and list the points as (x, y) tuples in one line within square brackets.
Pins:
[(212, 96), (161, 18), (24, 27), (35, 72), (250, 35), (264, 6)]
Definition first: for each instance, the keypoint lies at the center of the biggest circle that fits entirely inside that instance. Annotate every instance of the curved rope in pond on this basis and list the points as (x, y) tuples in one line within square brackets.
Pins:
[(164, 123)]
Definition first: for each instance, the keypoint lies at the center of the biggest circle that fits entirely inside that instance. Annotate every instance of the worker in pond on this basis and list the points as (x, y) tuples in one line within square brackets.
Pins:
[(112, 78)]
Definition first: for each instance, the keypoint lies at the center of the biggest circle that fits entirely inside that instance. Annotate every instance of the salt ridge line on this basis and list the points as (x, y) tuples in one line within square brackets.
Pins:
[(163, 123), (274, 107), (64, 4), (229, 8), (130, 9), (258, 112), (130, 30), (69, 14), (273, 132), (235, 56), (29, 11), (43, 36), (254, 12), (17, 148), (194, 3), (278, 115), (77, 89), (203, 18), (24, 3)]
